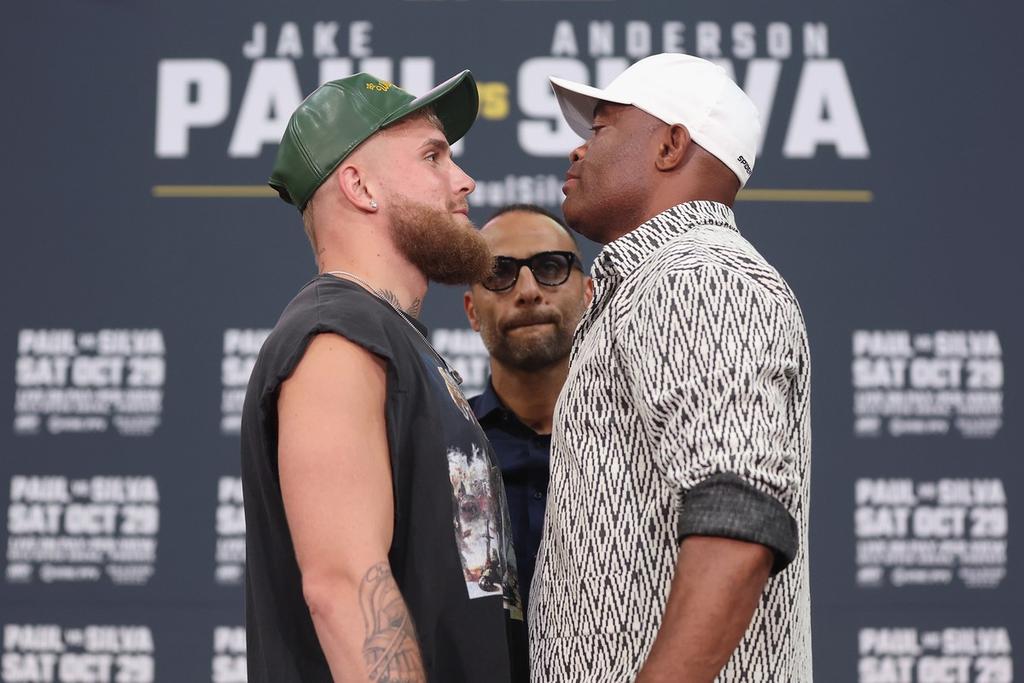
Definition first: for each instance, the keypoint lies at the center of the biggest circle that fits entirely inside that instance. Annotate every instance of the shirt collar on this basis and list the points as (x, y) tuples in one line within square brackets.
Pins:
[(620, 257), (489, 410), (487, 403)]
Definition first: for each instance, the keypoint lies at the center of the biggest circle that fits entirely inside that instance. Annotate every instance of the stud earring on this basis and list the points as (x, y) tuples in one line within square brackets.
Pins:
[(373, 203)]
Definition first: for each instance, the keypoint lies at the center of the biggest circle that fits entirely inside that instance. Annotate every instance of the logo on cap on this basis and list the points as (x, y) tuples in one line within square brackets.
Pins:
[(379, 86)]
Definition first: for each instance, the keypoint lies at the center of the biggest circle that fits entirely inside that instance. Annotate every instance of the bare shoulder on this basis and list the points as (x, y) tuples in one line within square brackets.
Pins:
[(329, 351), (334, 364), (336, 382)]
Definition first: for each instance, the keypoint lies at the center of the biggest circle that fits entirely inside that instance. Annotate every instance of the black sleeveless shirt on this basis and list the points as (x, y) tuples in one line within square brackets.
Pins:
[(451, 553)]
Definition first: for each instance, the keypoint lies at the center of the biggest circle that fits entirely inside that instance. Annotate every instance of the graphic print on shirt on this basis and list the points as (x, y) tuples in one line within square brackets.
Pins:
[(456, 393), (482, 528), (480, 520)]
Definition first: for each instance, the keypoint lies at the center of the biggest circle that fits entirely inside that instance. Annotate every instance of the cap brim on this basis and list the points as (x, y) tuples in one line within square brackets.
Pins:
[(578, 102), (456, 102)]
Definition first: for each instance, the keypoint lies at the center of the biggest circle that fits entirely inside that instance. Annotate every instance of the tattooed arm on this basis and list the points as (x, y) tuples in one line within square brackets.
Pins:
[(336, 485), (390, 649)]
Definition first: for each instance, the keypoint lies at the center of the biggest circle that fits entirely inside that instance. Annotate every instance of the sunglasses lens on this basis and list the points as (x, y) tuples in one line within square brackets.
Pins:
[(503, 275), (550, 268)]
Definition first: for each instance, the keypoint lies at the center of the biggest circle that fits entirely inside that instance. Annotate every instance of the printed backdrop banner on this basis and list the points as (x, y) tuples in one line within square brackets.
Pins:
[(145, 260)]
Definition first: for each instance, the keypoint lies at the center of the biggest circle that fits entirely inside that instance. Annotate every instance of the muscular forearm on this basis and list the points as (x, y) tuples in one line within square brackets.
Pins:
[(715, 591), (375, 641)]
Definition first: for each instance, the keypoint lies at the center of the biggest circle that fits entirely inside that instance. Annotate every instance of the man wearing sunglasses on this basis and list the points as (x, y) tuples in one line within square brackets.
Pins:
[(675, 538), (526, 312)]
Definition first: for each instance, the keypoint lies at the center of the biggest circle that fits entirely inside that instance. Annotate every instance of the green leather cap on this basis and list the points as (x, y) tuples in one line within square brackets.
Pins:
[(341, 114)]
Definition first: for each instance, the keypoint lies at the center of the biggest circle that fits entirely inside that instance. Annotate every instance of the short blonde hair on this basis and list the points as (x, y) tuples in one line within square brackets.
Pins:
[(308, 226)]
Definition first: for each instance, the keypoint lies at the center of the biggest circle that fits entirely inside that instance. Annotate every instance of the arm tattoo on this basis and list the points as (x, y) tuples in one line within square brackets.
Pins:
[(391, 651)]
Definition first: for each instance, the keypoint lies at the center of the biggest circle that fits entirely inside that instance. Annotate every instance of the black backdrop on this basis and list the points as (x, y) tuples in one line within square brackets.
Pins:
[(143, 259)]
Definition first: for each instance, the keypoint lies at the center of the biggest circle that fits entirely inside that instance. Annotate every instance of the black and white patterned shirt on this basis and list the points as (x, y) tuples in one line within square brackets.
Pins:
[(686, 411)]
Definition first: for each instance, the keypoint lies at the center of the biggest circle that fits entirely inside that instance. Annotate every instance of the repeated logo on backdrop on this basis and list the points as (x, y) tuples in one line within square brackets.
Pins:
[(241, 346), (79, 382), (910, 384), (228, 665), (51, 653), (913, 532), (466, 353), (82, 530), (943, 655), (230, 555), (937, 531)]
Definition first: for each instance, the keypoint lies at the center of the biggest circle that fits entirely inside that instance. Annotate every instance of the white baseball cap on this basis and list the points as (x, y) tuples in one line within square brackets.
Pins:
[(681, 89)]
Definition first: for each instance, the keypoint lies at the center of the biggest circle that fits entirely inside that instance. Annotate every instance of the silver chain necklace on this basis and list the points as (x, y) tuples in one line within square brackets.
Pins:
[(373, 290)]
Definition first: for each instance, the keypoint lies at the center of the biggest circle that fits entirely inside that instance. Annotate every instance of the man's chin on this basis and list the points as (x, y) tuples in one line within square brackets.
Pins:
[(533, 348), (573, 210), (443, 245), (577, 219), (532, 359)]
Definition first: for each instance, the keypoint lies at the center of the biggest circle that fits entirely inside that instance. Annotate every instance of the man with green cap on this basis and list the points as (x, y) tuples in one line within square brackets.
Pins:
[(377, 535)]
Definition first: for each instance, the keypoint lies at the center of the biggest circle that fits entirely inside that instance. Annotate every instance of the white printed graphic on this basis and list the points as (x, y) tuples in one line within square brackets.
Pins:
[(467, 355), (88, 654), (478, 529), (482, 532), (544, 190), (927, 383), (82, 530), (229, 655), (945, 655), (819, 116), (822, 113), (230, 532), (241, 347), (79, 382), (913, 533)]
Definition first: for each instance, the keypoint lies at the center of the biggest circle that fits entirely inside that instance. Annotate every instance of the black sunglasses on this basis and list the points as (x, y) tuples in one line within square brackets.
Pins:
[(550, 268)]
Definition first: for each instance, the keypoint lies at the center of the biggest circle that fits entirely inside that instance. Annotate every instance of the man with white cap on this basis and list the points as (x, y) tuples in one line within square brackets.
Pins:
[(675, 542)]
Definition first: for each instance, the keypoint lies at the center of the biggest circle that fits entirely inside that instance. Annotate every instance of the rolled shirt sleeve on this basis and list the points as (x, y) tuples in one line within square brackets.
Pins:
[(711, 362)]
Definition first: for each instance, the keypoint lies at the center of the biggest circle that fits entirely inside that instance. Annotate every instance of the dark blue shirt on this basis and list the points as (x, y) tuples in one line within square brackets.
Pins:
[(523, 458)]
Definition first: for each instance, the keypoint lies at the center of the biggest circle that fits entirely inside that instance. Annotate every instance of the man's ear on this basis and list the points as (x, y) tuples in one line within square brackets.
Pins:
[(588, 290), (675, 142), (467, 303), (351, 181)]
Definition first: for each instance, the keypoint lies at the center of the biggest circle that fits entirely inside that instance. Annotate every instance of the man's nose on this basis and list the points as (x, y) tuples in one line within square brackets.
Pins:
[(461, 182), (578, 153), (527, 289)]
